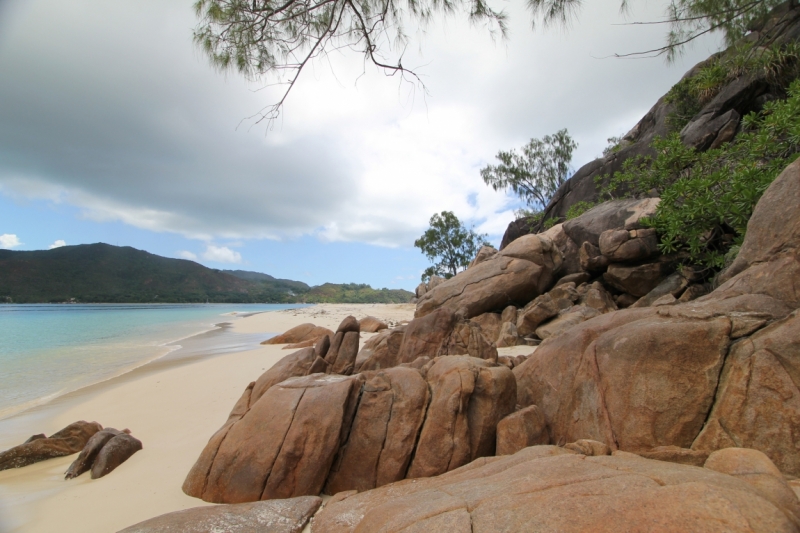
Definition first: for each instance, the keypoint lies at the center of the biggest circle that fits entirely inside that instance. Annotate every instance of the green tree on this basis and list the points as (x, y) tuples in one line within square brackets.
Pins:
[(535, 174), (449, 245)]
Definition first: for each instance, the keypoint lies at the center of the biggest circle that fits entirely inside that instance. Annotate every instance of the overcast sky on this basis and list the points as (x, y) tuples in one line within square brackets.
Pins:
[(114, 128)]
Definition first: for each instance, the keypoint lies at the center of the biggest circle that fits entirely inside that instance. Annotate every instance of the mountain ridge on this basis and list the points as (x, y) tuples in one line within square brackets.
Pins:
[(103, 273)]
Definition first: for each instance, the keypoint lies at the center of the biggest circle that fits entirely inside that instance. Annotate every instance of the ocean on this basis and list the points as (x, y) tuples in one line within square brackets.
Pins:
[(50, 350)]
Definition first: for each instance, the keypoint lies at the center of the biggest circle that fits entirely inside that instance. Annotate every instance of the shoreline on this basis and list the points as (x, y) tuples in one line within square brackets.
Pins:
[(172, 407), (172, 347)]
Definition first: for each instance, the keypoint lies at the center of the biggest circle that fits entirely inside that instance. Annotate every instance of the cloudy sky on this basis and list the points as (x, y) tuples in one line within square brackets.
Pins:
[(114, 128)]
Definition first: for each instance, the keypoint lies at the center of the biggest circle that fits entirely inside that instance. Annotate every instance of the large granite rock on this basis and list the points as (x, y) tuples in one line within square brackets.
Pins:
[(384, 433), (274, 516), (426, 336), (116, 451), (381, 351), (516, 275), (282, 447), (521, 429), (469, 397), (614, 215), (89, 453), (67, 441), (301, 333), (370, 324), (546, 488)]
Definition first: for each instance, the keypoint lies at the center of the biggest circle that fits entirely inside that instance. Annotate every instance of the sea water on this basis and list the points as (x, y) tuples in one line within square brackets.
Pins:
[(51, 349)]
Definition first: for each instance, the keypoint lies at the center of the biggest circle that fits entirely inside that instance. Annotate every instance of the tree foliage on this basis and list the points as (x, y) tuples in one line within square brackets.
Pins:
[(535, 174), (280, 37), (708, 197), (449, 245)]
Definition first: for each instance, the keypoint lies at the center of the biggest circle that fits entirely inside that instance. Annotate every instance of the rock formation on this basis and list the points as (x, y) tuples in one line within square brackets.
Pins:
[(306, 334), (274, 516), (67, 441), (546, 488)]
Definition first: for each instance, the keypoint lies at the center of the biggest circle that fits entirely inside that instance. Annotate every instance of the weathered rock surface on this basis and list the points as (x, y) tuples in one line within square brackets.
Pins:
[(490, 324), (545, 488), (282, 447), (636, 280), (381, 351), (469, 397), (629, 245), (89, 453), (614, 215), (467, 339), (508, 335), (116, 451), (301, 333), (425, 336), (67, 441), (384, 432), (516, 275), (486, 252), (274, 516), (521, 429), (370, 324), (673, 286), (545, 307), (293, 365), (566, 321)]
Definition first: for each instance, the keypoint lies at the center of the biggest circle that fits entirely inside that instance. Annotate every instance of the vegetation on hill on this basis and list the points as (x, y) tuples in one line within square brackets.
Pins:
[(101, 273)]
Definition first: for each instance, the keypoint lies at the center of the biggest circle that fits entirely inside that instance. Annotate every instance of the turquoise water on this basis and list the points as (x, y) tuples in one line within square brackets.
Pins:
[(50, 350)]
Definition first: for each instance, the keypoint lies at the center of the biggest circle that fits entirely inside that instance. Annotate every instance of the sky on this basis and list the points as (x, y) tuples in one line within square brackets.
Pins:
[(115, 128)]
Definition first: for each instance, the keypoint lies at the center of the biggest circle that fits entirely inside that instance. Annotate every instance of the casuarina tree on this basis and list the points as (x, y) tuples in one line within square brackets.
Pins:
[(535, 173), (449, 245)]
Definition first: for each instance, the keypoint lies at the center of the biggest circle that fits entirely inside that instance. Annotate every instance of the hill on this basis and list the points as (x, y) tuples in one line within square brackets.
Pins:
[(101, 273)]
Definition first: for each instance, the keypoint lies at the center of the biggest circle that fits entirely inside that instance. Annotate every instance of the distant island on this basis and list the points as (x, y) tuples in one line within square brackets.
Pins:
[(102, 273)]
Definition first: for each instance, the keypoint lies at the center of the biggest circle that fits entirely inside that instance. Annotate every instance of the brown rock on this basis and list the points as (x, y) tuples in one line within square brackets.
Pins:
[(381, 351), (566, 320), (545, 488), (509, 314), (115, 452), (545, 307), (384, 431), (693, 292), (421, 289), (322, 346), (590, 258), (458, 427), (625, 300), (616, 214), (768, 261), (522, 271), (275, 516), (675, 454), (508, 336), (635, 280), (758, 401), (598, 298), (425, 336), (505, 360), (87, 456), (35, 437), (467, 339), (577, 278), (293, 365), (303, 332), (371, 324), (304, 344), (490, 325), (486, 252), (346, 356), (588, 447), (758, 471), (283, 446), (67, 441), (569, 249), (519, 430), (673, 286), (349, 324), (620, 245)]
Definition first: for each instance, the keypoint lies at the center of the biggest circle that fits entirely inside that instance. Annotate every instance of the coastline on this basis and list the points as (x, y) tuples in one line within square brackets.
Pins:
[(172, 406)]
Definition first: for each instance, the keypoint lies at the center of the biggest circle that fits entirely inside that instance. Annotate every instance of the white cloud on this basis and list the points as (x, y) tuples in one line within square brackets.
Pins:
[(58, 244), (158, 147), (185, 254), (9, 241), (221, 254)]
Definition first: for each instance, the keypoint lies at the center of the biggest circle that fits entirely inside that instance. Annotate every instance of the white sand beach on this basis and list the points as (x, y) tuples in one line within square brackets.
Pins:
[(172, 411)]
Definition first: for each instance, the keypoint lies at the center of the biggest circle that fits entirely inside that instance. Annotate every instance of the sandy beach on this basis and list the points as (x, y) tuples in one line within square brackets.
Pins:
[(173, 411)]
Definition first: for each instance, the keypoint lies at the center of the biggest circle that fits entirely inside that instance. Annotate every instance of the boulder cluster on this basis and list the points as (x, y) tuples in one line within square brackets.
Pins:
[(426, 426), (101, 449)]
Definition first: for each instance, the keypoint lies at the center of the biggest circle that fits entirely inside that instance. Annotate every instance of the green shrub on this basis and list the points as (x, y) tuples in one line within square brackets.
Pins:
[(708, 197), (578, 209)]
